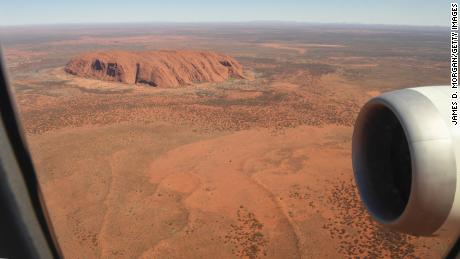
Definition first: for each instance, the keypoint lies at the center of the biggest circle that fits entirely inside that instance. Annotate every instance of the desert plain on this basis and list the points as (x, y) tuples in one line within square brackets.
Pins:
[(251, 167)]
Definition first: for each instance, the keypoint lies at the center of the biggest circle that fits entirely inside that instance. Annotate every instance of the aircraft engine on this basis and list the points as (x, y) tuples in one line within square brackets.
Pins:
[(406, 160)]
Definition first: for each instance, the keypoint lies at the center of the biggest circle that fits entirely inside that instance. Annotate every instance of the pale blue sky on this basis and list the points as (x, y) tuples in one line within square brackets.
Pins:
[(407, 12)]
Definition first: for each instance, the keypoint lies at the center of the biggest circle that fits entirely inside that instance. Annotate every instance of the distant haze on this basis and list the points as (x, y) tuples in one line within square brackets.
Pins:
[(30, 12)]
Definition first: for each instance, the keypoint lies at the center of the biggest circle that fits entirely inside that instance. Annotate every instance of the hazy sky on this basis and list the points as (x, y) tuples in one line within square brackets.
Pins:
[(410, 12)]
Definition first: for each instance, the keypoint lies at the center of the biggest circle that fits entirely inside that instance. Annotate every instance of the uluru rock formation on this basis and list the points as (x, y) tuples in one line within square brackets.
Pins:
[(163, 68)]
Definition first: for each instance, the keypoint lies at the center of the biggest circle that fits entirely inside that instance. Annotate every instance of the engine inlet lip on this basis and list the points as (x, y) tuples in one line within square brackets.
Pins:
[(433, 165)]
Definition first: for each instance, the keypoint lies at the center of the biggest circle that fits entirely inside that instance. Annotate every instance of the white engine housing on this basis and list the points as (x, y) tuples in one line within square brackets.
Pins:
[(406, 160)]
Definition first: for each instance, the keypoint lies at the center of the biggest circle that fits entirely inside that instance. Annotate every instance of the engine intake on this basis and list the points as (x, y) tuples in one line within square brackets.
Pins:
[(405, 156)]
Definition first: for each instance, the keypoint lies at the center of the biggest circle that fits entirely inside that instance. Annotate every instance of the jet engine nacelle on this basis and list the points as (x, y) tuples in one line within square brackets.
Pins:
[(406, 160)]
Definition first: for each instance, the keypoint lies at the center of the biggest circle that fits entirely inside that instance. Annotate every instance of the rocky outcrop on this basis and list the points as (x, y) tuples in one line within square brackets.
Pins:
[(156, 68)]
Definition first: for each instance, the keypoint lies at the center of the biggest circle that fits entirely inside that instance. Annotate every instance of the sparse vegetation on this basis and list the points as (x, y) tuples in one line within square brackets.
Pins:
[(162, 172)]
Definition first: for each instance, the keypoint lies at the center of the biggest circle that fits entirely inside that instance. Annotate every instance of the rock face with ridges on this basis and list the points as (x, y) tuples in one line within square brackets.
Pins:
[(156, 68)]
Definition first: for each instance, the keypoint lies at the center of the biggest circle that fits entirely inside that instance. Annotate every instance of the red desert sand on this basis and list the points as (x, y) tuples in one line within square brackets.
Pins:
[(205, 167)]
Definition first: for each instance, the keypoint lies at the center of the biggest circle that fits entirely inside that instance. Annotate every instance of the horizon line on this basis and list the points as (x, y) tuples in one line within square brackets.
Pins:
[(218, 22)]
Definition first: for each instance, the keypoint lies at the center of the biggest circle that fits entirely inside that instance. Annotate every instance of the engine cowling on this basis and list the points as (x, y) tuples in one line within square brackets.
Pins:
[(406, 160)]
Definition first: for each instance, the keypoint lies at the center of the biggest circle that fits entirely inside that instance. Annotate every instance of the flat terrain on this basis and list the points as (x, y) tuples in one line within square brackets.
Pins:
[(253, 168)]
